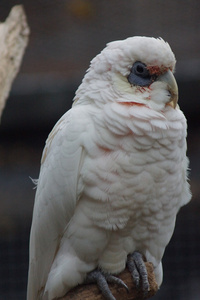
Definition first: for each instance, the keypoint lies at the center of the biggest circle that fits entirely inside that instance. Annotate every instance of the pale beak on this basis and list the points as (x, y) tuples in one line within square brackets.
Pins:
[(170, 80)]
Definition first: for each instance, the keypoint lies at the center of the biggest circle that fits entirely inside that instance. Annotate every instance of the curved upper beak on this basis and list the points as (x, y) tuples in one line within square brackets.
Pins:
[(170, 80)]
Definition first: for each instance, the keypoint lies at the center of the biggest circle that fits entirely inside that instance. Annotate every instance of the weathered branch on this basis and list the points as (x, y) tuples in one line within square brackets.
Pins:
[(14, 34), (91, 291)]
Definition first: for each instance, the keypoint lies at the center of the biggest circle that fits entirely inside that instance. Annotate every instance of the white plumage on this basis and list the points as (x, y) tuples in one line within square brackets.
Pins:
[(113, 173)]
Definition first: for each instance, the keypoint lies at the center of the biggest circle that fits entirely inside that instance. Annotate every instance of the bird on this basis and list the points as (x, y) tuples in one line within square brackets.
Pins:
[(113, 175)]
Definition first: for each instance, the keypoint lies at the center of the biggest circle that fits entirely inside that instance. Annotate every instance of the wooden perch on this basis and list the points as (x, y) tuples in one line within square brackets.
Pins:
[(91, 291), (14, 34)]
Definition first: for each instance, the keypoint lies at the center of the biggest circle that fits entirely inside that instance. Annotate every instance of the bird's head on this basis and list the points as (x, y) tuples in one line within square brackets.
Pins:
[(134, 71)]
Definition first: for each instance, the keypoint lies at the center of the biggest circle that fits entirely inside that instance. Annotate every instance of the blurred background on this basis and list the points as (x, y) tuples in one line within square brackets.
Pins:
[(65, 36)]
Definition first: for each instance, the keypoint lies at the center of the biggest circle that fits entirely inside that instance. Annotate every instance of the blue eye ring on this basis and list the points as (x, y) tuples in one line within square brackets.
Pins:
[(139, 75)]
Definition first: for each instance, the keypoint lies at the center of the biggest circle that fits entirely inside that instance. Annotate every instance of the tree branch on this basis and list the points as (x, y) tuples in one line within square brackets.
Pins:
[(14, 34), (91, 291)]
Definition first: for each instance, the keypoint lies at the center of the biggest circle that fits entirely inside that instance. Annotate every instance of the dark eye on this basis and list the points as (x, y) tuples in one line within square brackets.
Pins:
[(140, 69), (140, 75)]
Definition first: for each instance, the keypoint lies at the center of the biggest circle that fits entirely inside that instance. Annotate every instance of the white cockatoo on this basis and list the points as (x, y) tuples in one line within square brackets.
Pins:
[(113, 174)]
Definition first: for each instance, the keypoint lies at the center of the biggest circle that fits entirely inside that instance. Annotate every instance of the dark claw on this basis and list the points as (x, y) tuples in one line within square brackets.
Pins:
[(102, 280), (136, 266), (116, 280)]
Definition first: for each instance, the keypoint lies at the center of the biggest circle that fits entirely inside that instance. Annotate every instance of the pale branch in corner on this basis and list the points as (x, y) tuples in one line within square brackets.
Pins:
[(14, 33)]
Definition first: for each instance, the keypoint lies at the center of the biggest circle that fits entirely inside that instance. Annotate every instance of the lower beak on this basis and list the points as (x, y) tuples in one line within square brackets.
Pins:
[(172, 87)]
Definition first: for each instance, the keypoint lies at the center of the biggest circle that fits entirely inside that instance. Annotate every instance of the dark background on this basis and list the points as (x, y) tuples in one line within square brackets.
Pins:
[(65, 36)]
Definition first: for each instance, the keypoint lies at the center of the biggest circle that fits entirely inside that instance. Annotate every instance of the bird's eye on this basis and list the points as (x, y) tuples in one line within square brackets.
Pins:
[(140, 69), (140, 75)]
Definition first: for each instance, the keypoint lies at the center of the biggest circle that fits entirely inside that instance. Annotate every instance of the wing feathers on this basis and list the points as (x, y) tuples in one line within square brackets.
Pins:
[(55, 198)]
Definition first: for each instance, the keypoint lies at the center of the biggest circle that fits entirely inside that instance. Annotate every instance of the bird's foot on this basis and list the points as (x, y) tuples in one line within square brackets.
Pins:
[(102, 280), (136, 266)]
